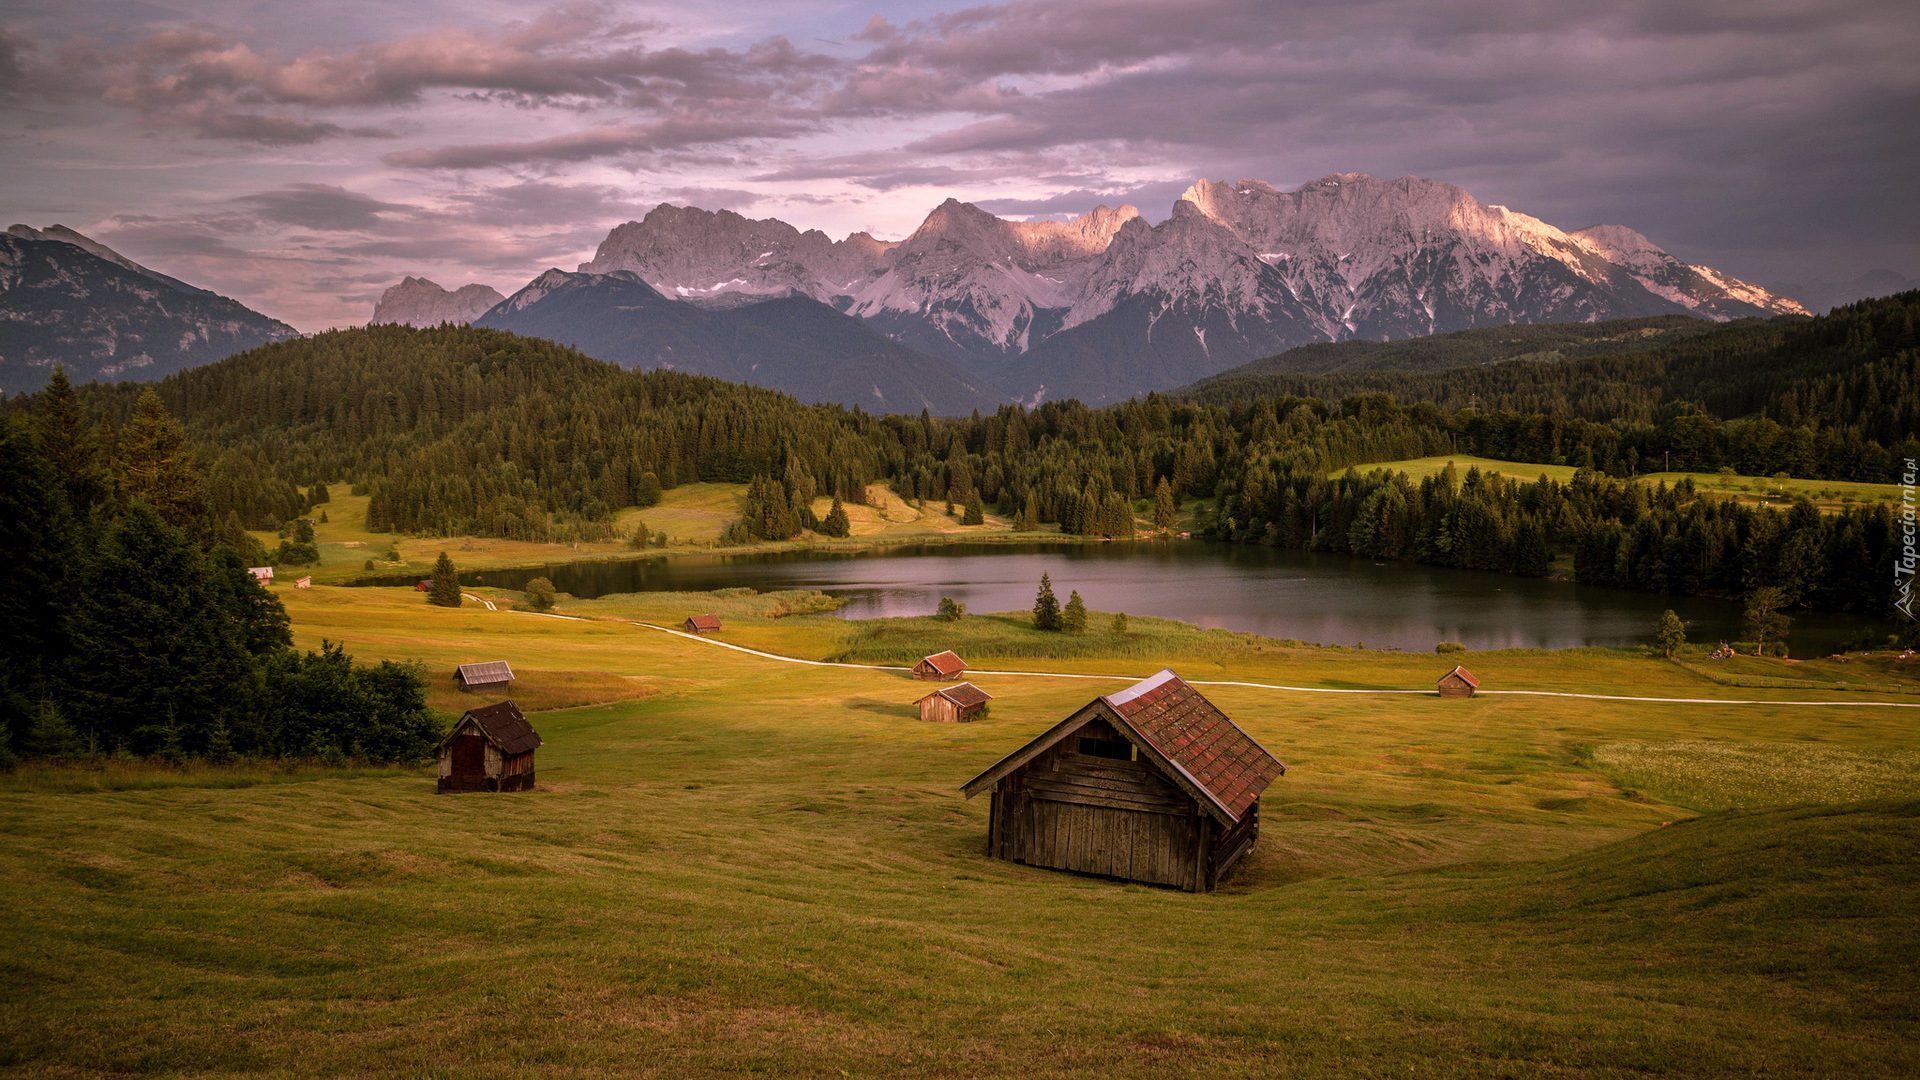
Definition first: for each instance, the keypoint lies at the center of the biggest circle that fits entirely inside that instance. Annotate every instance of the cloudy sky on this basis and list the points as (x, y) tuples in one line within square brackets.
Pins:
[(301, 156)]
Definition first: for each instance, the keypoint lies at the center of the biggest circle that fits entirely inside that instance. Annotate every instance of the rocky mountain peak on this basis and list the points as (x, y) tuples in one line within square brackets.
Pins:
[(417, 301)]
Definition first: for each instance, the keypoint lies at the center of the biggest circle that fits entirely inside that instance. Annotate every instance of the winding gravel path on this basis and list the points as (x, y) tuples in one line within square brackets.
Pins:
[(1252, 685)]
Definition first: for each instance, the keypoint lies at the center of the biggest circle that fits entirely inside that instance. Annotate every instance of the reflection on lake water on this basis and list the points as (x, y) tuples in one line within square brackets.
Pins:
[(1284, 594)]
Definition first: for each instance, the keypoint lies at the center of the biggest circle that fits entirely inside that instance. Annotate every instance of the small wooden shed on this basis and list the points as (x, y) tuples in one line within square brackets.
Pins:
[(701, 624), (1152, 784), (492, 675), (490, 749), (304, 583), (955, 704), (261, 573), (1458, 683), (939, 667), (423, 585)]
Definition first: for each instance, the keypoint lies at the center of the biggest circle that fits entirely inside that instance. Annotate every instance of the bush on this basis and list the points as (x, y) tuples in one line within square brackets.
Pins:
[(1449, 646), (951, 611), (295, 553), (540, 594), (1073, 619), (1119, 622)]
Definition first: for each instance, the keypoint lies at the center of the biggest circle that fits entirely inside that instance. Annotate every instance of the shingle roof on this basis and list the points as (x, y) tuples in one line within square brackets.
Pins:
[(946, 663), (1192, 733), (1466, 675), (704, 622), (492, 671), (966, 695), (505, 727)]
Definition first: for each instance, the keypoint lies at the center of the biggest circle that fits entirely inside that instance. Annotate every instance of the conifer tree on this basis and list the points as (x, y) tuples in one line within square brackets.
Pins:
[(836, 524), (1029, 519), (975, 514), (1046, 607), (155, 463), (1163, 508), (445, 590), (1074, 619)]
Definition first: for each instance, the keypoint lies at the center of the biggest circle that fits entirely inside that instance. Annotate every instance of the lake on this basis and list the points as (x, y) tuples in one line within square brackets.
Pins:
[(1284, 594)]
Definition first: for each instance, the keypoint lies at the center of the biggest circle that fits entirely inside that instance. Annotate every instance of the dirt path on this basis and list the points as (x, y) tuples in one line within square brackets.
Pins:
[(1252, 685)]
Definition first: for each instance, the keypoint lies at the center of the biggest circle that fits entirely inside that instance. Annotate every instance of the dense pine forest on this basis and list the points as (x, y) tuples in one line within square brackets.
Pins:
[(130, 625), (461, 430)]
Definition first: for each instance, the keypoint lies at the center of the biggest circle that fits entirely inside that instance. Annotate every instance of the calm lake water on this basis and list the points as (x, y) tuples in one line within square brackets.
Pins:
[(1283, 594)]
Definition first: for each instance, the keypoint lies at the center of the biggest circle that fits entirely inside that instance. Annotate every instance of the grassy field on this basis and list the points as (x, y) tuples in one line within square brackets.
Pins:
[(692, 515), (758, 868), (1756, 490)]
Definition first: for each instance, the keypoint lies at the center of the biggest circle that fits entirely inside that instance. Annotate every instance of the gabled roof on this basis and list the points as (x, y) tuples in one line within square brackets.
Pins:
[(1179, 730), (1465, 675), (946, 663), (965, 695), (490, 672), (504, 726), (704, 622)]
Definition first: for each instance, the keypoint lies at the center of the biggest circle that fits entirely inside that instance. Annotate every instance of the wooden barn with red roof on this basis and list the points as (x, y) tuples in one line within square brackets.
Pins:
[(940, 667), (1458, 683), (1152, 784)]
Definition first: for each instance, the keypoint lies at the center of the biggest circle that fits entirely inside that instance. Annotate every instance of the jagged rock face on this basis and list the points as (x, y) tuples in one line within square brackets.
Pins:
[(1106, 307), (1702, 289), (419, 302), (690, 254), (81, 305)]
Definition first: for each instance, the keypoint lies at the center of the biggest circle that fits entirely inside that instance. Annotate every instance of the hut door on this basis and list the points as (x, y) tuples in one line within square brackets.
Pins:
[(469, 758)]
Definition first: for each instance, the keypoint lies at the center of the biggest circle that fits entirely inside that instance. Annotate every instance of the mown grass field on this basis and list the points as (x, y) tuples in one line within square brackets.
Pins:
[(761, 868), (1755, 490)]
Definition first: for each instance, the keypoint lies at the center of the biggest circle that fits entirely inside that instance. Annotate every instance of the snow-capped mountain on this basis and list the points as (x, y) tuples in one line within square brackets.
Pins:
[(1107, 306), (69, 300), (419, 302)]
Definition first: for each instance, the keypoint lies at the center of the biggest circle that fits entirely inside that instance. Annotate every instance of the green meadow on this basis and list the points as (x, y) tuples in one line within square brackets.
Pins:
[(736, 866), (1754, 490)]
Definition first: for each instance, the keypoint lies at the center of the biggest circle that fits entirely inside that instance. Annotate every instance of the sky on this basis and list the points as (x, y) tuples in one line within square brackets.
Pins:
[(302, 156)]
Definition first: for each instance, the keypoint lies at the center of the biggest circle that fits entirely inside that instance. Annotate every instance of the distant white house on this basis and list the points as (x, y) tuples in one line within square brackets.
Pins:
[(303, 583), (261, 573)]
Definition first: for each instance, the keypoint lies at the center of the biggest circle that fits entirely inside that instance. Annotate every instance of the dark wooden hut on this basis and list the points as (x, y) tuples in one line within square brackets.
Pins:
[(1151, 784), (939, 667), (490, 749), (955, 704), (1458, 683), (492, 675), (701, 624)]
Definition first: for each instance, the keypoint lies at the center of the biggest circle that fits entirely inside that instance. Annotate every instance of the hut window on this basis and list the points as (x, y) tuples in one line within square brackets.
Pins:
[(1118, 749)]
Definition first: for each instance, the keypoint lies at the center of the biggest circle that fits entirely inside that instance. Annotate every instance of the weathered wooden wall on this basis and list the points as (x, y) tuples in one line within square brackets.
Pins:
[(1095, 815)]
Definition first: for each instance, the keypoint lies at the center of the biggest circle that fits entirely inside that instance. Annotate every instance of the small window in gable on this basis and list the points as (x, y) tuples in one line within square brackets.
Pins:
[(1117, 749)]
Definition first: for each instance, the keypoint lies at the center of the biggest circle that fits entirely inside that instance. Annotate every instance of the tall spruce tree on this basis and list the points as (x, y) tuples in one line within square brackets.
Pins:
[(154, 462), (1046, 607), (445, 590), (1073, 619), (1163, 508)]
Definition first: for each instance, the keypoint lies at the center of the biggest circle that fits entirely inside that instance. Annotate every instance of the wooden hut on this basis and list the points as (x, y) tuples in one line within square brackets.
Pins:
[(1151, 784), (1458, 683), (492, 675), (939, 667), (304, 583), (262, 574), (423, 585), (701, 624), (955, 704), (490, 749)]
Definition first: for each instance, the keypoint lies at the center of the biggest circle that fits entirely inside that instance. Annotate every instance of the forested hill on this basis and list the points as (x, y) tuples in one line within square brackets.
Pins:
[(1465, 348), (465, 430), (1857, 368), (469, 429)]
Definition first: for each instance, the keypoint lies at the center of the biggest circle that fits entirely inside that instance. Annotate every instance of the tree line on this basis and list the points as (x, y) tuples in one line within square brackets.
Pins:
[(457, 430), (130, 623)]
